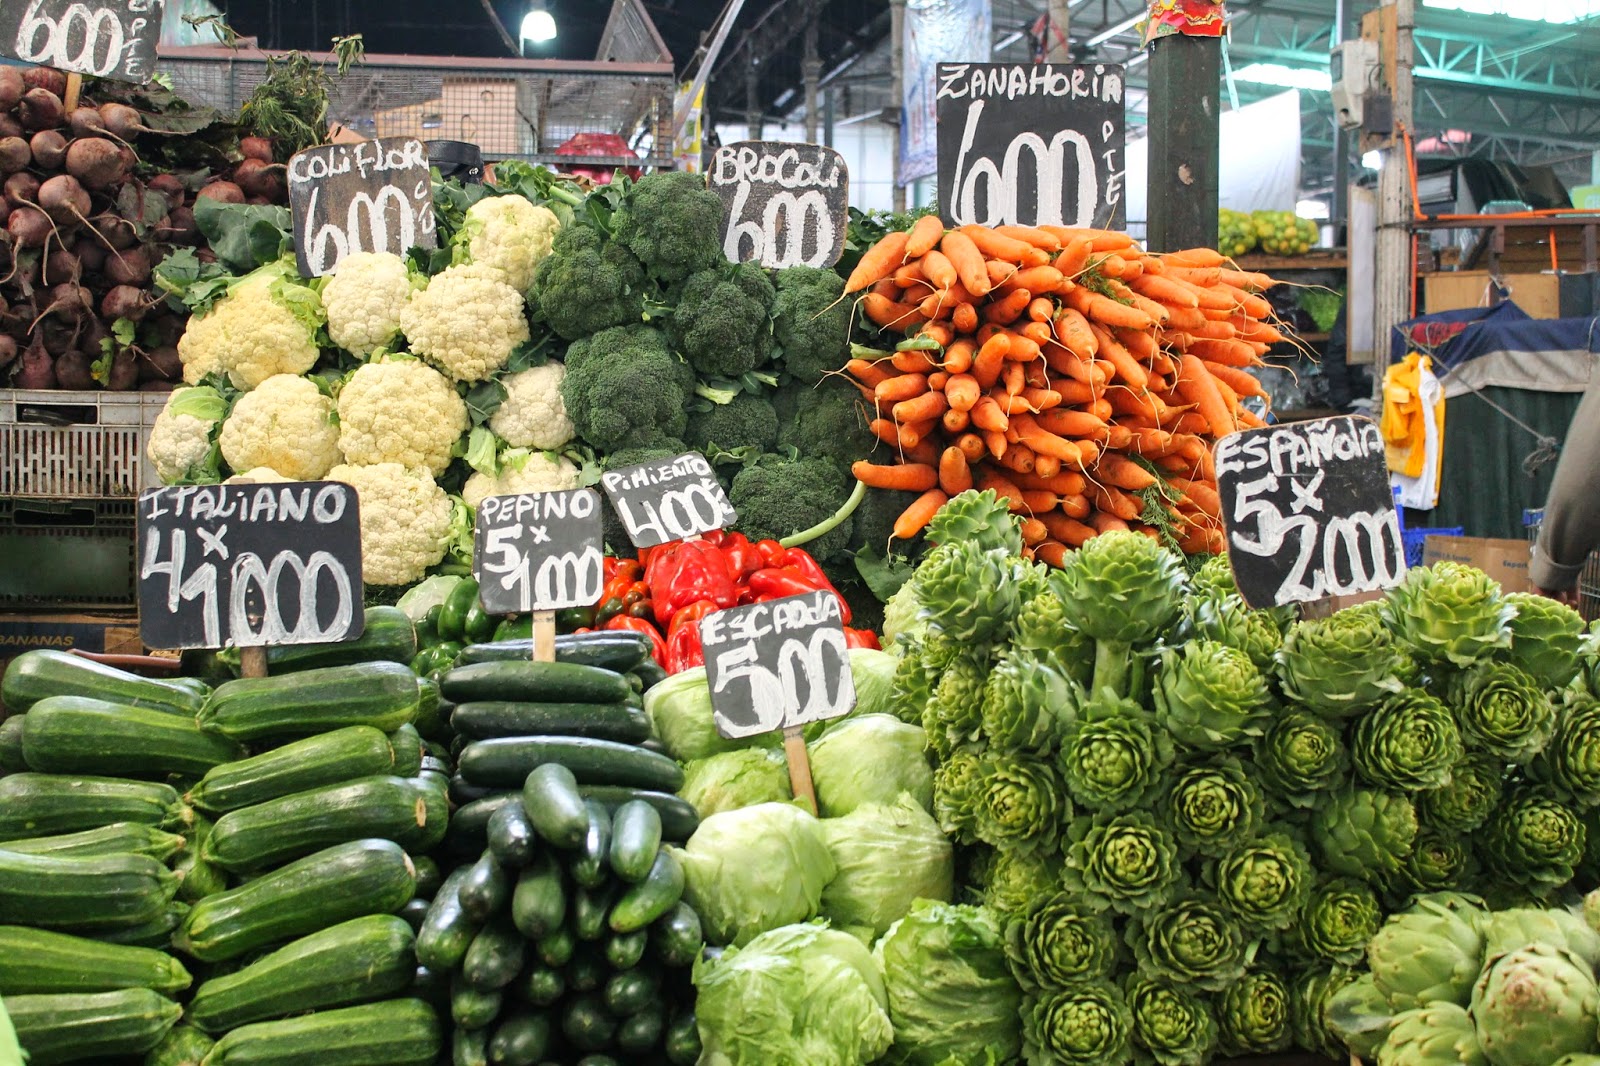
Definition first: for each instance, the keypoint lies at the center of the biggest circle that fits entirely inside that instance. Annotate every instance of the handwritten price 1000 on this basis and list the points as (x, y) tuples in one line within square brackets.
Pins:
[(42, 39), (819, 666), (1366, 545)]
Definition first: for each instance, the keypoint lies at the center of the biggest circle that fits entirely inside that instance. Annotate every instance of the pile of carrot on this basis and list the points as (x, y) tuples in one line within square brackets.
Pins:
[(1079, 377)]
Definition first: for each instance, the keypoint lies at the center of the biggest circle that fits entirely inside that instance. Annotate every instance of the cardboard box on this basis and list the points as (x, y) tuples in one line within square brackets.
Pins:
[(1504, 560), (111, 633), (1541, 295)]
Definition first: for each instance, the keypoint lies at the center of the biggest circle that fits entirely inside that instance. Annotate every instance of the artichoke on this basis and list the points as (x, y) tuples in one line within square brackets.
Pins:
[(1577, 1060), (1440, 859), (980, 518), (1502, 710), (1533, 839), (1113, 754), (1059, 940), (1122, 589), (1464, 803), (1570, 763), (1085, 1024), (1534, 1005), (1253, 1015), (922, 665), (1546, 638), (1509, 930), (1020, 803), (1450, 613), (1362, 833), (1359, 1015), (1021, 703), (1309, 993), (1210, 696), (1263, 883), (1192, 941), (967, 593), (1591, 909), (1016, 880), (1299, 757), (1431, 952), (1407, 743), (1042, 627), (1214, 578), (1213, 804), (1340, 665), (1170, 1022), (954, 715), (1126, 861), (1440, 1034), (1340, 917), (957, 786), (1229, 620)]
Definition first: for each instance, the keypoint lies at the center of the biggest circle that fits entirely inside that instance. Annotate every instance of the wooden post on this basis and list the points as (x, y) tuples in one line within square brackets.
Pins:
[(1057, 47), (1185, 129), (74, 89), (811, 71), (794, 748), (544, 636), (253, 662), (897, 58), (1396, 263)]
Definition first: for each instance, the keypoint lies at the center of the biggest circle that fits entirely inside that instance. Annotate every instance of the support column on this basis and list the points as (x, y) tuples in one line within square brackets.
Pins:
[(1185, 129), (1395, 262), (1340, 210), (752, 95), (1057, 48), (811, 71), (897, 55)]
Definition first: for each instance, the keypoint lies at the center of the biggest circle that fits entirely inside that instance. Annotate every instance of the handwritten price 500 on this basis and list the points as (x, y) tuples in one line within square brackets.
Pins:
[(819, 667)]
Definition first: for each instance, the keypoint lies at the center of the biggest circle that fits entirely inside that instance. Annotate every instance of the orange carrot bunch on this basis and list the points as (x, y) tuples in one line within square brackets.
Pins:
[(1081, 378)]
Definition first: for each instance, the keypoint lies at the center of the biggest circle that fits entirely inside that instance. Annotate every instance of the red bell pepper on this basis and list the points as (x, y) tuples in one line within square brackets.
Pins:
[(809, 577), (743, 557), (658, 645), (697, 570), (620, 578), (772, 553), (861, 638), (777, 582), (684, 650)]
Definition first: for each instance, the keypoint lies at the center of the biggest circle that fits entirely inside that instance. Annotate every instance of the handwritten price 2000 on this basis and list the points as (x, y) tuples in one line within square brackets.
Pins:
[(1366, 546)]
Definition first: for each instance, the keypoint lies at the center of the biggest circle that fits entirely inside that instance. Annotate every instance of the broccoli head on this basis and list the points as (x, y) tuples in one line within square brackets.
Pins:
[(777, 497), (720, 323), (673, 223), (827, 419), (587, 284), (626, 386), (746, 421), (875, 518), (811, 322)]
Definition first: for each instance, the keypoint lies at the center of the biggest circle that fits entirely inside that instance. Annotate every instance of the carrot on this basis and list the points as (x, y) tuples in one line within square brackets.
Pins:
[(1204, 277), (955, 421), (1005, 310), (913, 361), (1046, 466), (909, 477), (1039, 332), (936, 267), (1068, 529), (1228, 353), (1112, 501), (867, 372), (1038, 501), (955, 473), (1255, 306), (1022, 348), (1041, 399), (1151, 442), (1051, 553), (901, 437), (987, 415), (962, 391), (958, 356), (1012, 378), (964, 317), (904, 387), (1201, 258), (1198, 387), (877, 262), (1215, 331), (1159, 313), (1107, 311), (1072, 328), (970, 264), (1033, 531), (1201, 495), (1259, 331), (1047, 443), (929, 405), (1031, 235), (1244, 279), (1123, 473), (938, 380), (1181, 318), (910, 275), (1002, 486), (885, 312), (986, 365), (972, 446), (1066, 483), (1036, 279), (1065, 422), (995, 245), (1018, 459), (1000, 272), (1128, 368), (937, 305), (1140, 344), (1241, 382), (994, 440), (915, 519), (924, 235)]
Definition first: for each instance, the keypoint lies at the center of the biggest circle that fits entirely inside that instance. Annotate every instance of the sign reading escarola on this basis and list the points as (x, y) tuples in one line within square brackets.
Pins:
[(539, 551), (106, 38), (668, 499), (372, 196), (783, 204), (777, 665)]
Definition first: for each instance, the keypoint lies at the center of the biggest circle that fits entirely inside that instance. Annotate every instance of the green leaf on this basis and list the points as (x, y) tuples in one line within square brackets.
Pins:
[(124, 330), (481, 447), (202, 402), (244, 236), (100, 369), (884, 574), (484, 399)]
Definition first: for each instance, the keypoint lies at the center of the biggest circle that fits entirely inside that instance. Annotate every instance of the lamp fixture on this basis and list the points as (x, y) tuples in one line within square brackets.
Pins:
[(538, 25)]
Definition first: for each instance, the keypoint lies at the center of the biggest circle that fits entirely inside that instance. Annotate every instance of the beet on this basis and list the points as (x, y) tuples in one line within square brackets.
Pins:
[(117, 231), (15, 154), (170, 186), (40, 109), (129, 267), (162, 328), (160, 364), (8, 349), (256, 148), (123, 301), (93, 332), (123, 122), (256, 178), (64, 199), (73, 371), (124, 372), (45, 78), (49, 149), (225, 191), (11, 87), (96, 162), (37, 370), (70, 302), (9, 126), (180, 228), (61, 265), (91, 254), (29, 227), (21, 188), (86, 121)]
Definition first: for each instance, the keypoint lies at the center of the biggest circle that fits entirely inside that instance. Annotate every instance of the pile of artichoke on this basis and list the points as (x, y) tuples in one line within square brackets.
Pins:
[(1194, 816)]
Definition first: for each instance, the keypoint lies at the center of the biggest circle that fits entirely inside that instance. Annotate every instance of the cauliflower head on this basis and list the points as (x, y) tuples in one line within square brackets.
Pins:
[(266, 325), (511, 234), (364, 298), (539, 473), (467, 322), (534, 414), (400, 411), (286, 424), (261, 475), (405, 521), (200, 347), (180, 440)]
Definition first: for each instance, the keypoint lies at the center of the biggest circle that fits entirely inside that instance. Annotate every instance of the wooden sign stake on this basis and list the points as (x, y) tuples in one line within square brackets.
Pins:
[(544, 636), (794, 748), (74, 88), (253, 661)]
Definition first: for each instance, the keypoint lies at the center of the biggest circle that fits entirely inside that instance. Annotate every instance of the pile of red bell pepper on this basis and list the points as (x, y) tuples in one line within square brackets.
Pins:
[(667, 590)]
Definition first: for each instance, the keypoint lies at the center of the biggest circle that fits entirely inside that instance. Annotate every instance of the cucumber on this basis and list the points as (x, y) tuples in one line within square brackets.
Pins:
[(42, 673), (635, 839), (648, 900), (520, 1040), (396, 1032), (474, 1008), (557, 948), (511, 836), (359, 961), (650, 673), (470, 1047), (679, 819), (624, 950), (432, 987), (37, 805), (487, 719), (118, 838), (542, 985), (408, 746), (38, 962), (630, 992), (676, 936), (387, 636), (433, 713), (469, 826), (533, 682), (334, 885), (83, 735), (539, 902), (505, 762), (587, 971), (598, 1060), (446, 932), (588, 868), (384, 695), (327, 759), (495, 957), (429, 877), (682, 1043), (74, 1027), (414, 914), (617, 650), (101, 893), (555, 806), (268, 834), (589, 909), (11, 760), (155, 933), (641, 1032), (485, 889), (587, 1023), (184, 1045)]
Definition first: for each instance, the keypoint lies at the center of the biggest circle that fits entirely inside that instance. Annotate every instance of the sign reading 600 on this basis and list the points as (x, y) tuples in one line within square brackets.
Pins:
[(106, 39), (373, 196)]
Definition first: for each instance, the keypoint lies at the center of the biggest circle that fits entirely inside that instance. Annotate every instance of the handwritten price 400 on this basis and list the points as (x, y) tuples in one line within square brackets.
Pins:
[(1335, 555)]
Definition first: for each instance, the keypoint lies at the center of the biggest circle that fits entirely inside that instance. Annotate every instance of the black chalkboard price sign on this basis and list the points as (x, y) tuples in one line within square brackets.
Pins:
[(372, 196), (777, 665), (784, 204), (1308, 511), (668, 499), (1031, 144), (249, 565), (539, 551), (104, 38)]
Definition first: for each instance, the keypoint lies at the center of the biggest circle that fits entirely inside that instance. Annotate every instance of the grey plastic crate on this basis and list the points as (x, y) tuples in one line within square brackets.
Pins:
[(62, 445)]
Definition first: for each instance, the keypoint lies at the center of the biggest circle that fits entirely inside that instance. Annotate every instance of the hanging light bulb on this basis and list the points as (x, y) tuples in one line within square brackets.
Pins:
[(538, 25)]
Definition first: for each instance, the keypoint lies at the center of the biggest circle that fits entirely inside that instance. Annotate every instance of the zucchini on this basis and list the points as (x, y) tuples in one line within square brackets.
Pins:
[(587, 971), (617, 650), (447, 931), (539, 902), (414, 913), (587, 1023), (11, 760), (641, 1031), (650, 673), (470, 1047), (118, 838), (433, 713), (359, 961), (42, 673), (184, 1045), (485, 889), (334, 885), (679, 819), (511, 836), (327, 759), (495, 957), (630, 992), (384, 695), (408, 746), (197, 877), (598, 1059), (635, 839), (155, 933), (396, 1032), (558, 948), (520, 1040), (74, 1027), (524, 680), (624, 950), (390, 808), (676, 936), (387, 636), (474, 1008), (39, 962), (648, 900), (105, 892), (588, 868), (429, 877), (682, 1043), (589, 909), (432, 987), (82, 735), (36, 805), (542, 985), (486, 719), (505, 762), (463, 792), (469, 826), (554, 805)]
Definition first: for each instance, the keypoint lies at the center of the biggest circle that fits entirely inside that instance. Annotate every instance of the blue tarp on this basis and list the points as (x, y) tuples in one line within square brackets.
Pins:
[(1458, 337)]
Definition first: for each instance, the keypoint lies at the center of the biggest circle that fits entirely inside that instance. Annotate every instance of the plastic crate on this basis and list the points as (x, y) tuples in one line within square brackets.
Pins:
[(67, 553), (1416, 540), (60, 445)]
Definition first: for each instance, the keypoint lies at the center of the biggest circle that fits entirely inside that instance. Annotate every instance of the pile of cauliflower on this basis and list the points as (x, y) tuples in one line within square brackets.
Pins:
[(364, 377)]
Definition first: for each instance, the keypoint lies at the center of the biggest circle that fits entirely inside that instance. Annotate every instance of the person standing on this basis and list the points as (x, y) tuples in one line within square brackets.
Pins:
[(1571, 526)]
